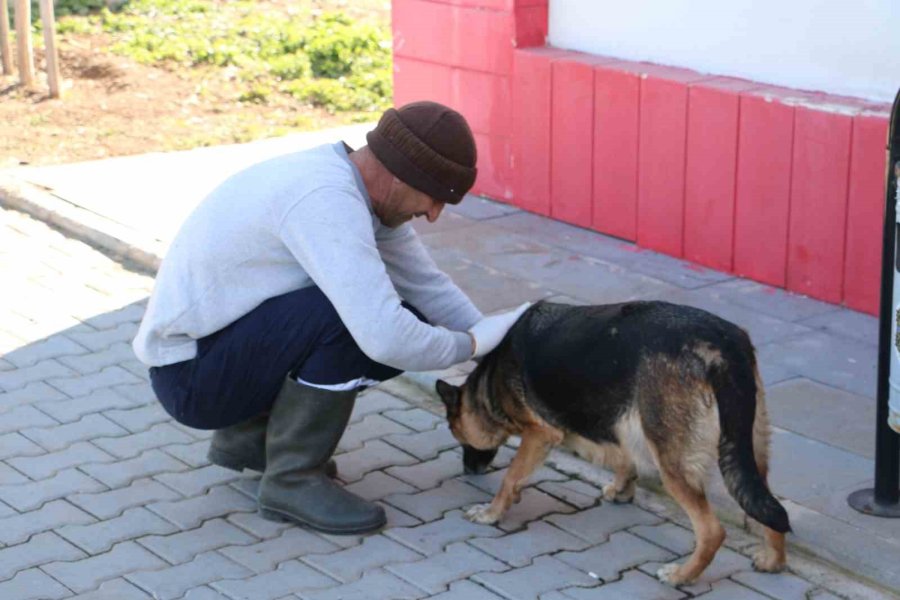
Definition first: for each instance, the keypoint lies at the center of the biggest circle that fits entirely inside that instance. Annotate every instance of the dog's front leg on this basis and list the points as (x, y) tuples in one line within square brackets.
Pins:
[(535, 446)]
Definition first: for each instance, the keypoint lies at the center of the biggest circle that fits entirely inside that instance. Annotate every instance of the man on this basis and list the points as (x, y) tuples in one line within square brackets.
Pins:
[(285, 292)]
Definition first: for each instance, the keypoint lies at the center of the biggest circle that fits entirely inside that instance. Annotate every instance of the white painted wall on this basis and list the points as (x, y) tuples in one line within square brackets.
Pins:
[(849, 47)]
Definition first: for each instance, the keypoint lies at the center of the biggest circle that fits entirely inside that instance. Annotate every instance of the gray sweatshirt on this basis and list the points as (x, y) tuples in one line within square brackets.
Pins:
[(295, 221)]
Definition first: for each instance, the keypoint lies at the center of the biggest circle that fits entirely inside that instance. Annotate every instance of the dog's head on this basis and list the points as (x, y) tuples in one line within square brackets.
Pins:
[(469, 426)]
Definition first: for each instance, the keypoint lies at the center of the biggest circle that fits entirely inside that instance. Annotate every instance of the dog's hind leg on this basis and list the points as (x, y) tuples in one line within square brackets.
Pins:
[(708, 530), (621, 490)]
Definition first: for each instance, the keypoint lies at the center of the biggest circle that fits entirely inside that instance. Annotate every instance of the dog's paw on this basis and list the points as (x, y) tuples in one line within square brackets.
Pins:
[(481, 513), (671, 574), (613, 494), (767, 561)]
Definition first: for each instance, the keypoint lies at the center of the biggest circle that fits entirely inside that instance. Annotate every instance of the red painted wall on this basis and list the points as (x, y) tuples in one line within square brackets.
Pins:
[(777, 185)]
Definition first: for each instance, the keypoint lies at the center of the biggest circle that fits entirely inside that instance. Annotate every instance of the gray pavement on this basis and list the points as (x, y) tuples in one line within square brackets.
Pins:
[(102, 494)]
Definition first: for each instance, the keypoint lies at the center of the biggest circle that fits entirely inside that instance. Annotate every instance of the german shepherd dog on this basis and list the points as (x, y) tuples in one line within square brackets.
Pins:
[(673, 379)]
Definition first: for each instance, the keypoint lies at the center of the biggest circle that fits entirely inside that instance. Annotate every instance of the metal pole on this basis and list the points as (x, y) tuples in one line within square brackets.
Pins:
[(884, 499)]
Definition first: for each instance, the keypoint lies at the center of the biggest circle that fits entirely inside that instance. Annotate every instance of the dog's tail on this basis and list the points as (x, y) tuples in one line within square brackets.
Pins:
[(735, 386)]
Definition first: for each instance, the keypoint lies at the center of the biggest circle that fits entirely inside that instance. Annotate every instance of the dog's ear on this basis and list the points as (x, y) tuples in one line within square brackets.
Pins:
[(449, 396)]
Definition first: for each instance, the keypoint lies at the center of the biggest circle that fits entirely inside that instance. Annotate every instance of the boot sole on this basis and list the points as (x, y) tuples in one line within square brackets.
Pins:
[(270, 514)]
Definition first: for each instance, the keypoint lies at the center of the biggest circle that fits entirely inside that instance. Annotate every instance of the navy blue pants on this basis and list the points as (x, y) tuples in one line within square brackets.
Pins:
[(239, 370)]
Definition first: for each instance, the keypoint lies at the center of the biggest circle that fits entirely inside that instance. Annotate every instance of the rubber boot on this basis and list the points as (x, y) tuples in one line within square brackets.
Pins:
[(243, 446), (305, 426)]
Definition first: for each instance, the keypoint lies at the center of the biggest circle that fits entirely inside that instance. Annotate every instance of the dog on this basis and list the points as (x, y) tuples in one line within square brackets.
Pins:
[(680, 381)]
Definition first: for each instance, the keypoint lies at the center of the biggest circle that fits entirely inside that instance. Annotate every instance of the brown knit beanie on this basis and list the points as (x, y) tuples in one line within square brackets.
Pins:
[(429, 147)]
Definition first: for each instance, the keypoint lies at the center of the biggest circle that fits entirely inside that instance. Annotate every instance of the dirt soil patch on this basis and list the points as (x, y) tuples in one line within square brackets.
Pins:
[(112, 106)]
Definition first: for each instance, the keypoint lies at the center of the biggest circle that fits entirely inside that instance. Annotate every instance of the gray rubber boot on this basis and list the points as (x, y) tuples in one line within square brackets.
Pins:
[(243, 446), (305, 426)]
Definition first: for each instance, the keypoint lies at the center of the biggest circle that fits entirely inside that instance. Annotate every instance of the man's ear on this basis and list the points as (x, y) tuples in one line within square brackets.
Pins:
[(449, 395)]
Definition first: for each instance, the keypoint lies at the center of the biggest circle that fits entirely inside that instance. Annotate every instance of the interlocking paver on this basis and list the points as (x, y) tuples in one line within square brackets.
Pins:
[(435, 573), (728, 590), (193, 454), (432, 538), (130, 446), (374, 585), (24, 417), (109, 504), (492, 481), (197, 481), (725, 564), (123, 472), (139, 394), (57, 346), (68, 410), (189, 513), (80, 385), (467, 590), (174, 582), (87, 428), (184, 546), (38, 373), (32, 584), (414, 418), (596, 524), (267, 555), (99, 360), (432, 504), (46, 465), (65, 484), (40, 549), (290, 577), (256, 525), (375, 551), (104, 338), (30, 394), (103, 535), (633, 584), (205, 593), (18, 528), (623, 551), (668, 535), (543, 575), (782, 586), (377, 485), (132, 313), (369, 428), (397, 518), (9, 475), (115, 589), (87, 574), (374, 455), (519, 549), (429, 474), (533, 505), (15, 444), (424, 445), (575, 492), (139, 419), (374, 401)]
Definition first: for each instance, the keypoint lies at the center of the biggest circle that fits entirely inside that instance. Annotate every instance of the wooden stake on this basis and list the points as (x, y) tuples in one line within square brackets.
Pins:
[(50, 47), (5, 48), (23, 42)]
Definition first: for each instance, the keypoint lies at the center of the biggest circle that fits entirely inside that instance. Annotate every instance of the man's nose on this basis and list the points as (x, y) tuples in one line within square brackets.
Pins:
[(434, 212)]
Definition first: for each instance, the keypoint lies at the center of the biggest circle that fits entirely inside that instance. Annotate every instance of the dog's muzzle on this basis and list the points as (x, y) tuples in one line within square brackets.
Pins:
[(476, 462)]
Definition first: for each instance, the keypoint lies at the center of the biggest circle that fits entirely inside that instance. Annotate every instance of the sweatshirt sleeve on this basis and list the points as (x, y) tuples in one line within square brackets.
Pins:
[(420, 281), (330, 233)]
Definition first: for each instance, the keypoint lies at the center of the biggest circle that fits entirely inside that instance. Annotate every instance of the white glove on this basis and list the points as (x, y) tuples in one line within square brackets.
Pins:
[(490, 331)]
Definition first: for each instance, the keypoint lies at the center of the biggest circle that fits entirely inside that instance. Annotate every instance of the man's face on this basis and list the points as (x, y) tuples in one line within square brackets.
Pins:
[(404, 202)]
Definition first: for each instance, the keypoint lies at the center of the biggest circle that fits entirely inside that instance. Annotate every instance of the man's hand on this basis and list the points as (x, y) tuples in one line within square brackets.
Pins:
[(490, 331)]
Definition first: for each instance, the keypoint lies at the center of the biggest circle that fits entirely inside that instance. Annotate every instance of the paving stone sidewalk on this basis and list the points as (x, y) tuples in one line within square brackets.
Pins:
[(102, 495)]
